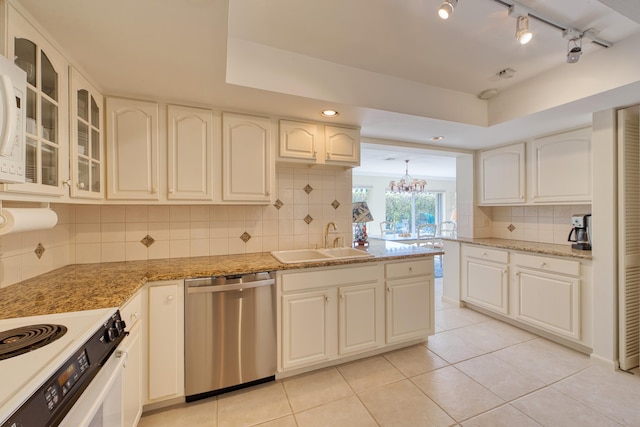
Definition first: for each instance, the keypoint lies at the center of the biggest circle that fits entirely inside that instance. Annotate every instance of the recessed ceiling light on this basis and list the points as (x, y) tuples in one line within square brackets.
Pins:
[(329, 113), (437, 138), (488, 94)]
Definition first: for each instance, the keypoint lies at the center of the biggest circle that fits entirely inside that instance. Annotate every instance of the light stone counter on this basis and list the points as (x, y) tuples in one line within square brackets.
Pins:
[(91, 286), (521, 245)]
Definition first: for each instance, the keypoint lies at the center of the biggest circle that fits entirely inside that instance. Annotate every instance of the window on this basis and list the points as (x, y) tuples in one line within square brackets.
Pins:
[(360, 194), (408, 210)]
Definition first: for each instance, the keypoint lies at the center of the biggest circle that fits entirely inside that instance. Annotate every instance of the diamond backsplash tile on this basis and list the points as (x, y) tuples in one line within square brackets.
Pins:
[(39, 251), (335, 204), (278, 204), (511, 227), (308, 189), (308, 219), (245, 237), (147, 240)]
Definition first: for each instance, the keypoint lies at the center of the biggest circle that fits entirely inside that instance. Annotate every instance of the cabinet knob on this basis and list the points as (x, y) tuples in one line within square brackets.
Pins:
[(81, 185), (134, 316), (341, 296), (388, 289), (171, 191), (410, 268), (504, 271), (543, 264), (315, 154), (328, 156), (154, 190), (484, 254), (517, 273), (67, 183), (170, 298)]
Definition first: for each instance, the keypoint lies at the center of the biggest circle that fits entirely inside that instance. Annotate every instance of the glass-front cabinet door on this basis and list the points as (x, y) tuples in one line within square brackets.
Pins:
[(87, 155), (47, 102)]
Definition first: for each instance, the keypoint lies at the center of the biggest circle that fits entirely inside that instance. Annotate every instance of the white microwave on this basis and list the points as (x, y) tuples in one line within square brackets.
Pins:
[(13, 90)]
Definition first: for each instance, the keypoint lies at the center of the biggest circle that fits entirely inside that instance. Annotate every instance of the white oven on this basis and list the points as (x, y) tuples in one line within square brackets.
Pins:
[(13, 89), (62, 369)]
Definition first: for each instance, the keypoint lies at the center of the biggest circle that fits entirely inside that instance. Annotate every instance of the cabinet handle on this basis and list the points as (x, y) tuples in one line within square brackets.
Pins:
[(315, 154), (504, 271), (388, 289), (517, 273), (154, 190), (170, 298), (67, 183), (484, 254), (326, 299), (328, 156), (171, 191), (543, 264), (410, 268), (341, 296)]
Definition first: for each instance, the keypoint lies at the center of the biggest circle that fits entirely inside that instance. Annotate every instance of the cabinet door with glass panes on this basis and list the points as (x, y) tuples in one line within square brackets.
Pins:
[(87, 155), (47, 127)]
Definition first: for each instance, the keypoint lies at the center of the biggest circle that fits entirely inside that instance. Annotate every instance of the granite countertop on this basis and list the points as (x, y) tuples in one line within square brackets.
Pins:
[(90, 286), (521, 245)]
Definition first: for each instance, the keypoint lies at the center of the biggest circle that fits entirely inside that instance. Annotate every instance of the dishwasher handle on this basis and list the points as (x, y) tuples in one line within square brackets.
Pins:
[(229, 287)]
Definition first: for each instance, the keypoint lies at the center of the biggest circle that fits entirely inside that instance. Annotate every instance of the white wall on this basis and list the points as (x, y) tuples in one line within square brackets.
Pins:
[(379, 185)]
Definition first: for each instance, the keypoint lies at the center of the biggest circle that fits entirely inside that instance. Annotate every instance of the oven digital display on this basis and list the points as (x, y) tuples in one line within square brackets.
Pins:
[(66, 380)]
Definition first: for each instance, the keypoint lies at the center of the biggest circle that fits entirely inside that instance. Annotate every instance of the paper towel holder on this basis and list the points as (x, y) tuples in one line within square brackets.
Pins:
[(3, 219)]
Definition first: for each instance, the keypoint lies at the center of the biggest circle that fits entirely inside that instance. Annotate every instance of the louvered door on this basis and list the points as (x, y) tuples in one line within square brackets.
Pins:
[(629, 235)]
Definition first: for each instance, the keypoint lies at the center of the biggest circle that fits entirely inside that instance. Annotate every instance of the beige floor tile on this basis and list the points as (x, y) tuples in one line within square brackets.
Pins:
[(371, 372), (500, 377), (442, 305), (494, 335), (253, 405), (504, 416), (552, 408), (452, 348), (447, 320), (313, 389), (415, 360), (456, 393), (288, 421), (614, 394), (470, 315), (544, 360), (403, 404), (199, 413), (347, 412)]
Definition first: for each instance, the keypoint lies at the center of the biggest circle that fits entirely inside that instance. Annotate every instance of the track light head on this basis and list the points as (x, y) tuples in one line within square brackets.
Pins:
[(574, 53), (447, 8), (523, 35)]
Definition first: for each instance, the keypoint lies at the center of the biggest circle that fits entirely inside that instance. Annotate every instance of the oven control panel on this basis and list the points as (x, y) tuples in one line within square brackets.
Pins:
[(53, 400)]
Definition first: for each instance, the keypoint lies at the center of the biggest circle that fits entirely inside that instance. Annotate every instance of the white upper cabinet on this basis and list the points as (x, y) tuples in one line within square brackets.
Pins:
[(342, 145), (318, 144), (502, 175), (190, 153), (132, 149), (300, 140), (248, 165), (562, 167), (87, 153), (47, 124)]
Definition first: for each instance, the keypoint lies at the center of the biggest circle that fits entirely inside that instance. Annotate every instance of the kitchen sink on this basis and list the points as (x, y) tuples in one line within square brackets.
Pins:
[(314, 255)]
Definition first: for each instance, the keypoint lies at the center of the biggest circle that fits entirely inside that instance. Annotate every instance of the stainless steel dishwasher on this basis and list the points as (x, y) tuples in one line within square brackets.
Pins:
[(230, 333)]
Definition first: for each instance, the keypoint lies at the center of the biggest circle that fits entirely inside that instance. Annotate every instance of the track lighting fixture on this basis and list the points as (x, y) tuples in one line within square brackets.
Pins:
[(447, 8), (523, 35), (573, 53)]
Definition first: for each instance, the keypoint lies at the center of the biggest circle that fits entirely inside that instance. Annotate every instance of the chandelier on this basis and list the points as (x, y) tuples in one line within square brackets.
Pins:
[(407, 184)]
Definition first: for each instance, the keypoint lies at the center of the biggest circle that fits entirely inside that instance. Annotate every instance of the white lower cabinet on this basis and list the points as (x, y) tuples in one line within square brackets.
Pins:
[(165, 340), (486, 278), (310, 318), (548, 296), (328, 314), (131, 313), (409, 290), (551, 294)]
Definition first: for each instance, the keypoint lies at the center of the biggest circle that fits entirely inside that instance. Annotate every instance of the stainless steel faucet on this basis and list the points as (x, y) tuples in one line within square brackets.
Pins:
[(326, 233)]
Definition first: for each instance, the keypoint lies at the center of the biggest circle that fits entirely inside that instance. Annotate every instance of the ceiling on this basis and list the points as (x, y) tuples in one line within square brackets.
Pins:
[(392, 67)]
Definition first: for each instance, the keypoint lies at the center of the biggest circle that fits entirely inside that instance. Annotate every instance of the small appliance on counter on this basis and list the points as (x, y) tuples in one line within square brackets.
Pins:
[(581, 231)]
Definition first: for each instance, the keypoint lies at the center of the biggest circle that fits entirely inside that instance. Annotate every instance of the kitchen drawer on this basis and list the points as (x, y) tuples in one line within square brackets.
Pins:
[(555, 265), (335, 277), (131, 311), (484, 253), (396, 270)]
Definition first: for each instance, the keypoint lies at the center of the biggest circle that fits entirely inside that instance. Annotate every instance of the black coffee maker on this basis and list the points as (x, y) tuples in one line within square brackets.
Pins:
[(581, 231)]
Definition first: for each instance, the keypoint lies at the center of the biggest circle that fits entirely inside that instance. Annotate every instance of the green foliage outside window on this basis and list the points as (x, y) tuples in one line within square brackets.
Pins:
[(398, 209)]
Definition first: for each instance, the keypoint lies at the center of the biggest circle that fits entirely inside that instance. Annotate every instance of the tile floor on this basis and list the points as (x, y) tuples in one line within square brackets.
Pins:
[(475, 371)]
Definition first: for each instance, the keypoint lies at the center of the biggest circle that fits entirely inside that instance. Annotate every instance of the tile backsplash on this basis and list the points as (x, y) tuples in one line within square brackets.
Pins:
[(307, 199), (544, 224)]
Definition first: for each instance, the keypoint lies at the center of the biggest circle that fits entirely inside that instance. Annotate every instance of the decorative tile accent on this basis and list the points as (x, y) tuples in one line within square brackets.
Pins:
[(308, 189), (147, 240), (278, 204), (39, 250), (511, 227), (335, 204), (245, 237), (308, 219)]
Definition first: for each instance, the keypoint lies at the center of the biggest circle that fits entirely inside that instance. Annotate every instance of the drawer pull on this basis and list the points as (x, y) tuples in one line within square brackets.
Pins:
[(484, 254), (326, 299), (170, 298), (543, 265), (410, 268)]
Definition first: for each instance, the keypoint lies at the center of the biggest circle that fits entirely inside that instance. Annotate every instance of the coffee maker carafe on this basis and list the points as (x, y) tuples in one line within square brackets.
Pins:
[(582, 232)]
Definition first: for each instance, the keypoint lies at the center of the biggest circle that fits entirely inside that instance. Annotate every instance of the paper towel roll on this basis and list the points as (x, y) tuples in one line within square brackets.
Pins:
[(16, 220)]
